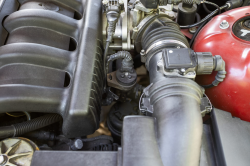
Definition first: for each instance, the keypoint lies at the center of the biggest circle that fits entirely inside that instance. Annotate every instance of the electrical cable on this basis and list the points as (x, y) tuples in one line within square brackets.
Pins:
[(196, 33), (213, 4), (207, 86), (204, 19), (206, 9)]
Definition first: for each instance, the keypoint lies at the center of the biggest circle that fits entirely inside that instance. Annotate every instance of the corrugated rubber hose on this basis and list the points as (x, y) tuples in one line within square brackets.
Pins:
[(28, 126)]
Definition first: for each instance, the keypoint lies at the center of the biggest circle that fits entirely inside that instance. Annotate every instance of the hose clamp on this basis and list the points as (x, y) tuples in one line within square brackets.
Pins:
[(206, 105), (144, 103), (165, 42), (147, 56)]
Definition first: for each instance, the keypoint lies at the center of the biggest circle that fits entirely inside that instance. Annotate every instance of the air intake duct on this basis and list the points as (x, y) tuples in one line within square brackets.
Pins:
[(174, 99)]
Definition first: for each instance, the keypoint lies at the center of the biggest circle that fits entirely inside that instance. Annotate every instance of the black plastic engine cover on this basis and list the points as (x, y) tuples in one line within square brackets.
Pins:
[(52, 60)]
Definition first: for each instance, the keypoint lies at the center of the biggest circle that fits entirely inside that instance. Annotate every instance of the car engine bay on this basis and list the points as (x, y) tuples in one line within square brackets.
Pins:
[(124, 82)]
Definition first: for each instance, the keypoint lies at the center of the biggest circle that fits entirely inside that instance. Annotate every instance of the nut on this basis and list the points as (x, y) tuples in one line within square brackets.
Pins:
[(224, 24)]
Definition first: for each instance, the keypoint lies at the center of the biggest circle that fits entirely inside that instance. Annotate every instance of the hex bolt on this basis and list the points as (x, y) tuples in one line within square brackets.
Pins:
[(77, 145), (192, 30), (224, 24), (129, 77), (183, 70), (142, 52), (135, 29), (122, 75)]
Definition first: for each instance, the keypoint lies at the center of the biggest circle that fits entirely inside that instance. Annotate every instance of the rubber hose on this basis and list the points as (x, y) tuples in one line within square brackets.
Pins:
[(28, 126), (176, 103)]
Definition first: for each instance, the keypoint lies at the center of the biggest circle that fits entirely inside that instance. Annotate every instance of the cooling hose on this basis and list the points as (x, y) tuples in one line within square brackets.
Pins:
[(28, 126)]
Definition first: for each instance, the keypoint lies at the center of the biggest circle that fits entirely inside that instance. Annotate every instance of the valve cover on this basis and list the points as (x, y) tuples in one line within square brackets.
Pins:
[(51, 61)]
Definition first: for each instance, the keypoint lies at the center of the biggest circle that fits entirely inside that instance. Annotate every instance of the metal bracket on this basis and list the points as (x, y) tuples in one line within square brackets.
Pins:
[(144, 104), (206, 105), (111, 96)]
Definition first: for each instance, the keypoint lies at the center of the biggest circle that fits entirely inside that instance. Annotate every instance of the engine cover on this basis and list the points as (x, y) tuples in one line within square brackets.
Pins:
[(230, 39), (51, 61)]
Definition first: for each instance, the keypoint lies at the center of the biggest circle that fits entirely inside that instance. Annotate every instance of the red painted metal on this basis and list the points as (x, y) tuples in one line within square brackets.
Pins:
[(187, 33), (232, 95)]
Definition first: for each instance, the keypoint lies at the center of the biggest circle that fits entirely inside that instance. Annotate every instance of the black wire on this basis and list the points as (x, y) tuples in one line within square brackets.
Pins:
[(204, 19), (27, 115), (206, 9), (207, 86), (104, 63), (196, 33), (215, 5)]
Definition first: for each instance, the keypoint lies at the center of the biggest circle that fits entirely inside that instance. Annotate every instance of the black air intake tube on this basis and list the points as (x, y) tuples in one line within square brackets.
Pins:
[(28, 126), (176, 103), (175, 100)]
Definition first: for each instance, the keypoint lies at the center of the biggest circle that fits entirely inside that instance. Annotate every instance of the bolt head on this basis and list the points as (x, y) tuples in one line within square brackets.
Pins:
[(129, 77), (183, 70), (192, 30), (142, 52), (224, 22), (122, 75), (135, 29), (78, 144)]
